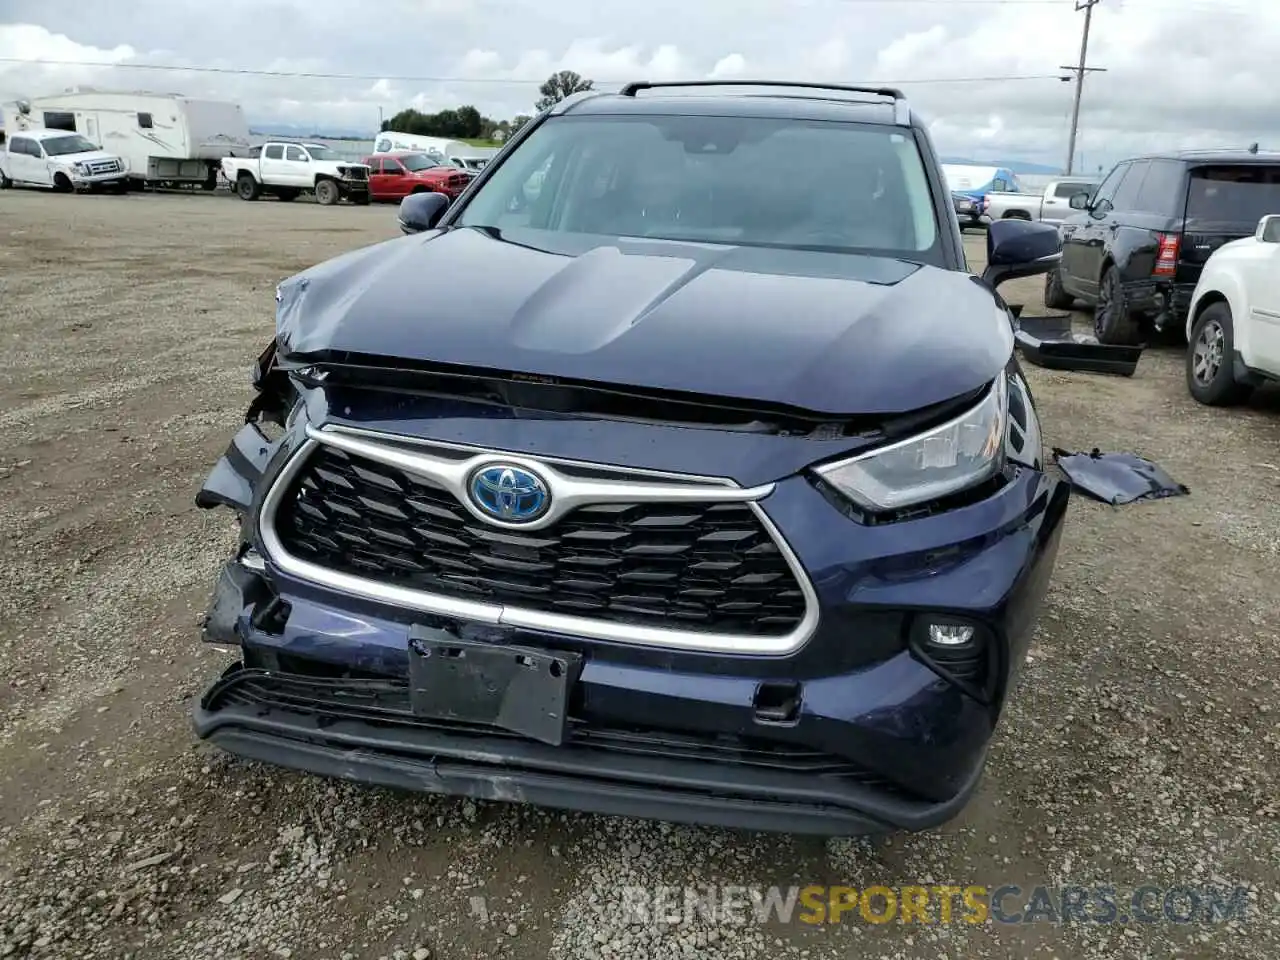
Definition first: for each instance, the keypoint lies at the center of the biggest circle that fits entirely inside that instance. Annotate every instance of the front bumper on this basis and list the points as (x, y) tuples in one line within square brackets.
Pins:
[(259, 715), (93, 181), (351, 189), (878, 739)]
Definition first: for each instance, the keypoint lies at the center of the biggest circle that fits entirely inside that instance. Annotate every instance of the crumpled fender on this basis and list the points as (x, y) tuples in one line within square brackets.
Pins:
[(236, 475)]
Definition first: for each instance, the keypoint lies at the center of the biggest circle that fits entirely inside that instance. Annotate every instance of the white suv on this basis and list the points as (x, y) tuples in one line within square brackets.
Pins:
[(1233, 327)]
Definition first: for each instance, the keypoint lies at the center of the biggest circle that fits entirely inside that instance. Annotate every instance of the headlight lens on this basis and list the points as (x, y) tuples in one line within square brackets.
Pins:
[(945, 460)]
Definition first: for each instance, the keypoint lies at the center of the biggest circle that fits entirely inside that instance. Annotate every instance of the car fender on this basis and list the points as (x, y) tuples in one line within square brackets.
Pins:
[(1220, 281)]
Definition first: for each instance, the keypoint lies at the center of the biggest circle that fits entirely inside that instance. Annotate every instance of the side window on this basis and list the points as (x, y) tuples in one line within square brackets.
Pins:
[(23, 146), (57, 120), (1109, 186), (295, 153), (392, 166), (273, 151), (1126, 198), (1164, 190), (1067, 189), (144, 121), (1000, 185)]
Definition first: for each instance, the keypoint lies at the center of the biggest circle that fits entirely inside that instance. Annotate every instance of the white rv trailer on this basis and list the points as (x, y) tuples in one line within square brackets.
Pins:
[(438, 148), (163, 137)]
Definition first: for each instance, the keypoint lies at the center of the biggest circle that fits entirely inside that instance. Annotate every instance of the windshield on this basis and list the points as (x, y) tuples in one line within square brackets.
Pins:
[(321, 153), (1236, 195), (717, 180), (413, 162), (61, 146)]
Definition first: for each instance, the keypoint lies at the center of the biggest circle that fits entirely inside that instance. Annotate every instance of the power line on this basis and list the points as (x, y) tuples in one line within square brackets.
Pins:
[(304, 75)]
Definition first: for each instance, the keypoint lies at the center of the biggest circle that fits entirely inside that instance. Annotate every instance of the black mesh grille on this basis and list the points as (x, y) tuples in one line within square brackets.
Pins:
[(704, 566)]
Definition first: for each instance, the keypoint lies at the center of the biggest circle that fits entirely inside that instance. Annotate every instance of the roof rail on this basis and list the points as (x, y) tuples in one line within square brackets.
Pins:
[(901, 110)]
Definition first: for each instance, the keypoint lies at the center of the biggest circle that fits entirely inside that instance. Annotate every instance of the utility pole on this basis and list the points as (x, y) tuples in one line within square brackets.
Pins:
[(1080, 70)]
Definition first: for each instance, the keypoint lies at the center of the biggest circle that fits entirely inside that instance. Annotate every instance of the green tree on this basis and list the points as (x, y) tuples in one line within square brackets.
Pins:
[(559, 85)]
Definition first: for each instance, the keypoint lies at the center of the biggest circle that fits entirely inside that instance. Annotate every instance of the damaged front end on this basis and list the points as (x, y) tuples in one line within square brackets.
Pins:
[(243, 595)]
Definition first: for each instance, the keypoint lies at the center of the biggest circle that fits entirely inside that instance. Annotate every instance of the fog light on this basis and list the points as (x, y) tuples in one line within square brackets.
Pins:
[(950, 634)]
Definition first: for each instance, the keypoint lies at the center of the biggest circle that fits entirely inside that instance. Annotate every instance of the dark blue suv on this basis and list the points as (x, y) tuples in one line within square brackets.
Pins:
[(678, 469)]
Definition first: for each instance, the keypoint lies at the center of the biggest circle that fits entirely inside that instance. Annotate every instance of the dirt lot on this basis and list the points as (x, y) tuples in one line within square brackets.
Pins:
[(1141, 748)]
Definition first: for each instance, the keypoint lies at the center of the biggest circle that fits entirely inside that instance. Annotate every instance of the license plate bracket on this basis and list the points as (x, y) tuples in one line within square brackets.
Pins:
[(523, 690)]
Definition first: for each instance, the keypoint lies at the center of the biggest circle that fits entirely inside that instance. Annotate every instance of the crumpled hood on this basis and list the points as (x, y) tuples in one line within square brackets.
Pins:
[(828, 333)]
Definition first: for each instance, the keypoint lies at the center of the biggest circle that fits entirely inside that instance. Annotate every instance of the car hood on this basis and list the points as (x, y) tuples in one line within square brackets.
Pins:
[(87, 157), (823, 332)]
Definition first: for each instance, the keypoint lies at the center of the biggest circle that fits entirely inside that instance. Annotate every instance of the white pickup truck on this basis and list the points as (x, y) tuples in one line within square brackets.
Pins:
[(286, 170), (1051, 206), (59, 159)]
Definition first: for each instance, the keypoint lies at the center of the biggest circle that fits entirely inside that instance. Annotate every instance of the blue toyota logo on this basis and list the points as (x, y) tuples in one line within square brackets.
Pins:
[(509, 493)]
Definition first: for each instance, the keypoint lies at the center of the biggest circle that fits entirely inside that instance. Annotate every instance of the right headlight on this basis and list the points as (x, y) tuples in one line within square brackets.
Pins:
[(944, 460)]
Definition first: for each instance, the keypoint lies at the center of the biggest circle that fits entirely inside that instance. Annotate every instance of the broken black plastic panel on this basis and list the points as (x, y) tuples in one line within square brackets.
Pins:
[(1050, 342)]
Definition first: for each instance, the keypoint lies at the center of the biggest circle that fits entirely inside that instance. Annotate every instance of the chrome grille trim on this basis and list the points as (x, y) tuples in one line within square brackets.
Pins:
[(450, 472)]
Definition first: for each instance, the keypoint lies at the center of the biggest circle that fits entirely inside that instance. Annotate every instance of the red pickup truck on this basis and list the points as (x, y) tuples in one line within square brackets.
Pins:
[(393, 176)]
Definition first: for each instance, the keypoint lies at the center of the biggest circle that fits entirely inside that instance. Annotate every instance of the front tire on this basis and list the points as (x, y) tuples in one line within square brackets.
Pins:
[(1055, 297), (247, 188), (1113, 321), (1211, 375), (327, 193), (5, 182), (62, 183)]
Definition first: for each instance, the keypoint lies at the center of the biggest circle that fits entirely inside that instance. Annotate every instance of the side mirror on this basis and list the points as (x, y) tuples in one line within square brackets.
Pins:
[(1079, 201), (1269, 229), (422, 211), (1020, 248)]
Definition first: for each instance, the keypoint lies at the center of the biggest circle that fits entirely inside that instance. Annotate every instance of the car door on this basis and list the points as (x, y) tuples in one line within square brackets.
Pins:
[(297, 166), (1263, 280), (1056, 205), (272, 165), (395, 178), (1084, 236), (18, 160)]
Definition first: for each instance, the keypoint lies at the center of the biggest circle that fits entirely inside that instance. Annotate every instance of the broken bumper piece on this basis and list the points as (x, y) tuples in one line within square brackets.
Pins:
[(1049, 342), (365, 730)]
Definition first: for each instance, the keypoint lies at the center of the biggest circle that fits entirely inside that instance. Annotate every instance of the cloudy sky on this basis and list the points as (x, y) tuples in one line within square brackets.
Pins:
[(1180, 73)]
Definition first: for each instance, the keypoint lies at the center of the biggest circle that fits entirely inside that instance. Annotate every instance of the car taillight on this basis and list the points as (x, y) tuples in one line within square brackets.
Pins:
[(1167, 256)]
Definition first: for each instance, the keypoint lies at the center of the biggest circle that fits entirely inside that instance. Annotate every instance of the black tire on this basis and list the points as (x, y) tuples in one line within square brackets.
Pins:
[(286, 195), (61, 183), (1056, 298), (1017, 215), (5, 182), (360, 199), (327, 193), (1113, 321), (247, 188), (1211, 375), (210, 182)]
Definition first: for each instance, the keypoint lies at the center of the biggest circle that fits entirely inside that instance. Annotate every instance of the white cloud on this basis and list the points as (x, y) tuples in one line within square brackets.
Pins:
[(1180, 72)]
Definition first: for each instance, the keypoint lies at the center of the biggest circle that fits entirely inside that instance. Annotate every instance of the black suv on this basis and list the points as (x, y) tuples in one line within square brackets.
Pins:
[(1137, 248)]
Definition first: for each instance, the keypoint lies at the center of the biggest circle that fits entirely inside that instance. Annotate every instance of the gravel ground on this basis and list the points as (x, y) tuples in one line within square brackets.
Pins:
[(1141, 746)]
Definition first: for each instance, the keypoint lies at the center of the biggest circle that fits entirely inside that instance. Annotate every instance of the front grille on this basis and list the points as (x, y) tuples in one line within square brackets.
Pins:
[(703, 566), (356, 173), (104, 166)]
